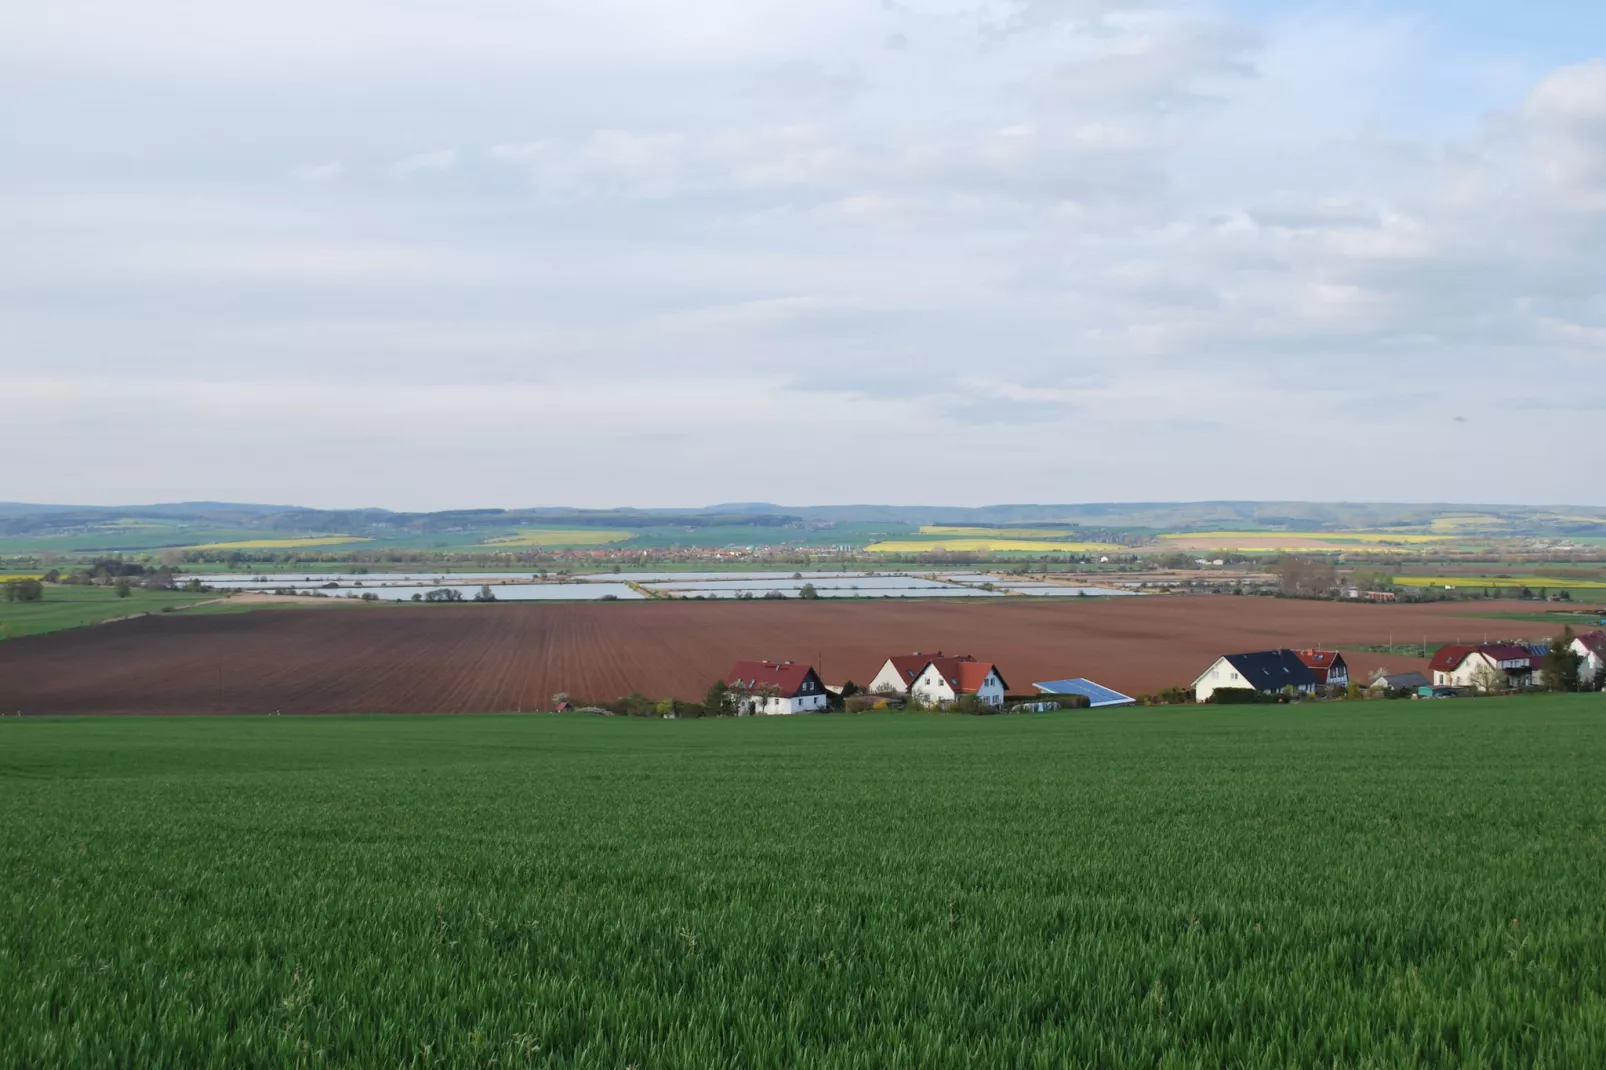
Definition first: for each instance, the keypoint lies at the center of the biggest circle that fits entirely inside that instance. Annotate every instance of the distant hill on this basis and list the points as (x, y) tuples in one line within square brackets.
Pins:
[(23, 519)]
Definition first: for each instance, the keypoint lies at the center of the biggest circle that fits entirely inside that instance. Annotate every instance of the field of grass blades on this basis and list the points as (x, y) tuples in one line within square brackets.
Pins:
[(1381, 884)]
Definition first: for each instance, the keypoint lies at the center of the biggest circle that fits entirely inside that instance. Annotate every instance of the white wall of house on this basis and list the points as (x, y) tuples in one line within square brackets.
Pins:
[(1474, 672), (933, 689), (1338, 676), (888, 681), (1221, 674), (778, 705), (1589, 666), (992, 690)]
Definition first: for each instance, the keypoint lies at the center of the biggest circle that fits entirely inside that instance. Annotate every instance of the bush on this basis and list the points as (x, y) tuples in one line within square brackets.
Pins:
[(1242, 696), (23, 591)]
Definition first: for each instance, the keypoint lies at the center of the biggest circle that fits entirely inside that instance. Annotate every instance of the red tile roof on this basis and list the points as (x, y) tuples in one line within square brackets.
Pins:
[(786, 677), (1449, 658), (1320, 662), (909, 666), (965, 675)]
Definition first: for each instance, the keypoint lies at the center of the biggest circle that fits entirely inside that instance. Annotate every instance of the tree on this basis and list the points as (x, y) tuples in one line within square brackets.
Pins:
[(1488, 677), (717, 699), (1600, 678), (1562, 663), (1305, 577), (124, 588), (849, 689), (485, 594), (808, 591)]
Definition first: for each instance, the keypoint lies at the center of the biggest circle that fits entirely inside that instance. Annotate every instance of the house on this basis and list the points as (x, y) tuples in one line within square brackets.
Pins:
[(944, 680), (775, 687), (899, 672), (1096, 695), (1399, 681), (1268, 671), (1326, 665), (1497, 666), (1591, 647)]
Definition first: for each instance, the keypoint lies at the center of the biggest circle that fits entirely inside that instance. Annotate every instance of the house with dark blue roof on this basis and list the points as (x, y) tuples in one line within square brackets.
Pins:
[(1270, 672)]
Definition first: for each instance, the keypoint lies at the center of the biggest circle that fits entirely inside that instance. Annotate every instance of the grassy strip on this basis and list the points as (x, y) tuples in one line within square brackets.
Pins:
[(77, 607), (1381, 884)]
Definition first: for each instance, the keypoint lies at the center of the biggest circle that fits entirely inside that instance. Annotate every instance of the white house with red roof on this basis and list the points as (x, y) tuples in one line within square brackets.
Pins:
[(899, 672), (944, 680), (775, 687), (1504, 665), (1591, 647)]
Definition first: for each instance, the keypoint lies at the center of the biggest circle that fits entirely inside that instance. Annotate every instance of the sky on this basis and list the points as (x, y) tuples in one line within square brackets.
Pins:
[(428, 254)]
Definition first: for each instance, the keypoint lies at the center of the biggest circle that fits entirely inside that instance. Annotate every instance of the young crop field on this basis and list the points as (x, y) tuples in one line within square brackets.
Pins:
[(293, 542), (1381, 884), (1300, 541), (67, 607)]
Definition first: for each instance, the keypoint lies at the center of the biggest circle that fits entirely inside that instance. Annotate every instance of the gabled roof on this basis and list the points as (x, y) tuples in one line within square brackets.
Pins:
[(1395, 681), (1449, 658), (786, 677), (1320, 659), (1595, 642), (1272, 670), (1095, 694), (965, 675), (909, 666)]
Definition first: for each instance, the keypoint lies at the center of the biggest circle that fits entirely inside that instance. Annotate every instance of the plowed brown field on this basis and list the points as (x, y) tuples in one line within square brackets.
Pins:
[(408, 659)]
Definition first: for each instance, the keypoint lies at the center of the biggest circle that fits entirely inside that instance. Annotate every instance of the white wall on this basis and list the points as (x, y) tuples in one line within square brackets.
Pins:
[(1221, 674), (887, 681), (931, 687), (1473, 667), (1589, 666)]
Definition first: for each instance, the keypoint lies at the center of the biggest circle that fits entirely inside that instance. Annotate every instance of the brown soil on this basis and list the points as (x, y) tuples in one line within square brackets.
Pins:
[(415, 659)]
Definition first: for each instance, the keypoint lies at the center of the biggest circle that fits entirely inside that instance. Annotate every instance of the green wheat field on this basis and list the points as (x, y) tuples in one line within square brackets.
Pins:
[(1380, 884)]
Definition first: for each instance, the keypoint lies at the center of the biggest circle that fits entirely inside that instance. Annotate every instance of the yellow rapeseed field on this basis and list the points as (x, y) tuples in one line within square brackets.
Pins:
[(998, 533), (560, 537), (1038, 546), (281, 544)]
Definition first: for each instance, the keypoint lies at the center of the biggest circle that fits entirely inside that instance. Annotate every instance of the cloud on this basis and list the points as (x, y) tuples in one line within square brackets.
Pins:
[(1160, 64), (436, 161), (1145, 225), (1564, 119), (321, 172)]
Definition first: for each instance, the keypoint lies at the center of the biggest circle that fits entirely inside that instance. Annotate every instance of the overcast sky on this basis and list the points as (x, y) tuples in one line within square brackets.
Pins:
[(446, 253)]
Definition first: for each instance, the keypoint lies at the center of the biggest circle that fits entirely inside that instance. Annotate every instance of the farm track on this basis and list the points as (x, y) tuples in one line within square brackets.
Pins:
[(452, 659)]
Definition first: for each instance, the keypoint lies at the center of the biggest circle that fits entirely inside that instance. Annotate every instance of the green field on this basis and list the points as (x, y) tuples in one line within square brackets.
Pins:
[(75, 607), (68, 606), (1381, 884)]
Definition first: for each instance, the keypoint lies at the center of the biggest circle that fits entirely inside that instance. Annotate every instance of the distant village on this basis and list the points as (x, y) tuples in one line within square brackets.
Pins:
[(963, 682)]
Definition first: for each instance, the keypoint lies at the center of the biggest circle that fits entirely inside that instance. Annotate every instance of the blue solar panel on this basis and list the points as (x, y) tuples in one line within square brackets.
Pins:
[(1096, 694)]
